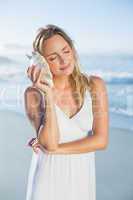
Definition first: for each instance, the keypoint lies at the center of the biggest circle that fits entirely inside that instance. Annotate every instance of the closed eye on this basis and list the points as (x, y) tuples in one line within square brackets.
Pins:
[(51, 59), (66, 51)]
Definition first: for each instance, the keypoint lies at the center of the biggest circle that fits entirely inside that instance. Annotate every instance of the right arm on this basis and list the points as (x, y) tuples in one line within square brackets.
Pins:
[(48, 131)]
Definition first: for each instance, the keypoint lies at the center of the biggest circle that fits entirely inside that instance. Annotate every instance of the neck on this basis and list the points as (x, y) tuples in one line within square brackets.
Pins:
[(61, 83)]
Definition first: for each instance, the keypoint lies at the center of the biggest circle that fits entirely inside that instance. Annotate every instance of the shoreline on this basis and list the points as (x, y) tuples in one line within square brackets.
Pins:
[(113, 165), (116, 119)]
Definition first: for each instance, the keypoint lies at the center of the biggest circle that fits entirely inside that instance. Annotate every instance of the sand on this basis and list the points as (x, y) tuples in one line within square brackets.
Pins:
[(114, 165)]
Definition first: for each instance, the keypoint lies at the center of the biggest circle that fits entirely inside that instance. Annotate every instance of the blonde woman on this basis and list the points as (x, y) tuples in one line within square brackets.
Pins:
[(70, 119)]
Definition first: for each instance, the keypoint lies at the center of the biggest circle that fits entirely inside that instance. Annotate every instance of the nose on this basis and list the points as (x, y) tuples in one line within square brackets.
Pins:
[(62, 60)]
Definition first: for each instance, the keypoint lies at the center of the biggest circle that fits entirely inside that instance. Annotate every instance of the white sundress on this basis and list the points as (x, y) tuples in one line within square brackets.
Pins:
[(65, 176)]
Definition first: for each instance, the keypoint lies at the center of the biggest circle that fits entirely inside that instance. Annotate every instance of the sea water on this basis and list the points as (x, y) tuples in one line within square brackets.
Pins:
[(116, 71)]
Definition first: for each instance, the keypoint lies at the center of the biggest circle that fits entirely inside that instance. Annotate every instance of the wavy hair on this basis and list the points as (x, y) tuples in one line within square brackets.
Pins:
[(79, 81)]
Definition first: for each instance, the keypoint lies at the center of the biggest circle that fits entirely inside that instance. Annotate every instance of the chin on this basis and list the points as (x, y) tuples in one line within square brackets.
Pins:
[(68, 71)]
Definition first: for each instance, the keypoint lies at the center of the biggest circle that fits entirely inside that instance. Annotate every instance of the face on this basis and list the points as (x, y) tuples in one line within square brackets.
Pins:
[(59, 55)]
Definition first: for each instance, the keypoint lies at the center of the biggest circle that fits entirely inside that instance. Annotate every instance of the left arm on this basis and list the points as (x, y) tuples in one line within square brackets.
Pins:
[(99, 139)]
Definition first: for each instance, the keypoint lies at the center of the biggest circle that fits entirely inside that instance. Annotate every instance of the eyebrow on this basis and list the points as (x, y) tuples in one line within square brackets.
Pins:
[(55, 52)]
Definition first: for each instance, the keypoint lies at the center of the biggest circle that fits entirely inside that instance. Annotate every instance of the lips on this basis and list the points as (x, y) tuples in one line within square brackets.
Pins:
[(65, 67)]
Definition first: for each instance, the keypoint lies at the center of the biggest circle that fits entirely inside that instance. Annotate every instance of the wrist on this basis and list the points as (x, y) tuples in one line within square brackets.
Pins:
[(49, 100), (57, 151)]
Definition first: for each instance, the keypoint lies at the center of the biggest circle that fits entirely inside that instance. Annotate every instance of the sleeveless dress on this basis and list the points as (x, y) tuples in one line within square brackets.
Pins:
[(65, 176)]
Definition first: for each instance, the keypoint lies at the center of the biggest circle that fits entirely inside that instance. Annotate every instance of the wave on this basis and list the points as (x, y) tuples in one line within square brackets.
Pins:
[(127, 112), (12, 73), (7, 60), (17, 72), (114, 77)]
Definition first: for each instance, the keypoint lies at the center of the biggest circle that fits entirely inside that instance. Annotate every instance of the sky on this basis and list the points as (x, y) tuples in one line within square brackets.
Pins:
[(95, 26)]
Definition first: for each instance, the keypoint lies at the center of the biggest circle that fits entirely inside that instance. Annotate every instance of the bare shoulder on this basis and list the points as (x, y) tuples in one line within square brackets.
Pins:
[(31, 89), (32, 94), (99, 83)]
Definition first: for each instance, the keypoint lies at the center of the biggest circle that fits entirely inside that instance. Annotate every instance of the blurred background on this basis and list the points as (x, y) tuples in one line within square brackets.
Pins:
[(102, 33)]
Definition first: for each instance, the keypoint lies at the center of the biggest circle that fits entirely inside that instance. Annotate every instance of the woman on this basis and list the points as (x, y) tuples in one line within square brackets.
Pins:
[(71, 122)]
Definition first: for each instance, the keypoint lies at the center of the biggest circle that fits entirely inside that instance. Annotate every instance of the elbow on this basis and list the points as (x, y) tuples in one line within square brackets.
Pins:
[(104, 145), (48, 145)]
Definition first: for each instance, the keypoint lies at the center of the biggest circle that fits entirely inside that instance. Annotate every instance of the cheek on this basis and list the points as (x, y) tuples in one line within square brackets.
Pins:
[(72, 57), (54, 68), (53, 65)]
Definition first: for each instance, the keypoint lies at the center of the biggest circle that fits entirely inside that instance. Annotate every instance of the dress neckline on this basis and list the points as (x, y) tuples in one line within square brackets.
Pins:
[(75, 114)]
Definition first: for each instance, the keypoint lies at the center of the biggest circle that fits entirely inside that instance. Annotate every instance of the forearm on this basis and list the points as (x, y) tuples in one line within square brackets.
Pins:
[(49, 134), (88, 144)]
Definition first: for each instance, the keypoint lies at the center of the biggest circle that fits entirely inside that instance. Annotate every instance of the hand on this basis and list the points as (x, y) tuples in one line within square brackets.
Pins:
[(34, 143), (37, 76)]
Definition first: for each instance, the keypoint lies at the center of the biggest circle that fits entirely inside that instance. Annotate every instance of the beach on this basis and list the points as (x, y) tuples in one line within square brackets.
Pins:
[(114, 180), (100, 37), (114, 167)]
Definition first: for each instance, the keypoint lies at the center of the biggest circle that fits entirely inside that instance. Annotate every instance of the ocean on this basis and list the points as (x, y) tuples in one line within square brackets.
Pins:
[(116, 70)]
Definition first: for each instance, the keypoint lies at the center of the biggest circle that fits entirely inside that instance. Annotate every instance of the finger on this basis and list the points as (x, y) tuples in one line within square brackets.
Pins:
[(44, 75), (36, 73), (35, 146), (29, 72), (42, 87), (41, 81), (44, 82), (31, 142), (36, 149), (38, 76), (32, 72), (35, 142), (41, 76)]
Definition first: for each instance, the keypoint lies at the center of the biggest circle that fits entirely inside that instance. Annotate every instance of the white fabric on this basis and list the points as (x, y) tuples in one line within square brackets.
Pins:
[(65, 176)]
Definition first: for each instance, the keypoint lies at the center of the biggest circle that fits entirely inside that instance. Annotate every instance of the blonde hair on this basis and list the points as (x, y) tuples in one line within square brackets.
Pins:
[(78, 81)]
